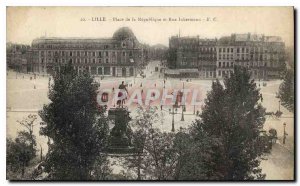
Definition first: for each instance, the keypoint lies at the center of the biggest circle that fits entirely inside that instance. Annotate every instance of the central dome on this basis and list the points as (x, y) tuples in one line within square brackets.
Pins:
[(123, 33)]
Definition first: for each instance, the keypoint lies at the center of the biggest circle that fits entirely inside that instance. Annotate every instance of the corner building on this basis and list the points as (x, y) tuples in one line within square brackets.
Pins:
[(117, 56), (195, 57), (263, 55)]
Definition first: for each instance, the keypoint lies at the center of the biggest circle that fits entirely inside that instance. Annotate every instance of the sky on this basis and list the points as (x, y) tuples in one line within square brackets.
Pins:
[(27, 23)]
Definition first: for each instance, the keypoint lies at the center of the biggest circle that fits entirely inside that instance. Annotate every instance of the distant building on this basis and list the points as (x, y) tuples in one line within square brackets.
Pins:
[(116, 56), (18, 57), (215, 58), (158, 52), (193, 53), (263, 55)]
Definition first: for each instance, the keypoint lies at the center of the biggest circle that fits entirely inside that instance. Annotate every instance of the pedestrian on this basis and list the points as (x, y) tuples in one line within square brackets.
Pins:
[(141, 85)]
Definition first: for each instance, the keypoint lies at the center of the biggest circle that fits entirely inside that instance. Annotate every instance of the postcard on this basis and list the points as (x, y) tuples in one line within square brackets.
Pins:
[(150, 93)]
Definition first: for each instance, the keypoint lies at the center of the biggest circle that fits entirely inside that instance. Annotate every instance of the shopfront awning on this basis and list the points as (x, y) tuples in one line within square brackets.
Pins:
[(188, 71), (172, 72)]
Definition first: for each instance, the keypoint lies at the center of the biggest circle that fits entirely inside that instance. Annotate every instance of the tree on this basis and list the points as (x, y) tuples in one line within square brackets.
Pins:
[(23, 149), (155, 157), (286, 90), (232, 114), (28, 123), (18, 155), (75, 125), (199, 155)]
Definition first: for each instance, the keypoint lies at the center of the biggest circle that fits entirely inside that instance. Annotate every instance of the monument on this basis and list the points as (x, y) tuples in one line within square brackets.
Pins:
[(120, 135)]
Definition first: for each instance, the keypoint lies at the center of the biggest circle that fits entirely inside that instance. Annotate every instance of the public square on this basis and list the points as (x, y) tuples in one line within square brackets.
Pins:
[(26, 96)]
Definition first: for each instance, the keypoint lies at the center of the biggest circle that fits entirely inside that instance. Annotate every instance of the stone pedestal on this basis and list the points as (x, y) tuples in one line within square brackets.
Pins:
[(120, 135)]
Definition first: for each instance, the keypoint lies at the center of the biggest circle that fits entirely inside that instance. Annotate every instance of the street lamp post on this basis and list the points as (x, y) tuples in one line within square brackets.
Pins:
[(194, 109), (279, 105), (284, 133), (173, 113), (182, 115)]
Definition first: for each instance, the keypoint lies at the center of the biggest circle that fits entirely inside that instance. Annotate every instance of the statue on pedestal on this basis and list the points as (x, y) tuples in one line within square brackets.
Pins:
[(120, 135)]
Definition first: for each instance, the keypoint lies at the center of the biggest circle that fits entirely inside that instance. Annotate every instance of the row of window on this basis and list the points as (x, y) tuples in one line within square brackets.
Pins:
[(250, 64), (106, 70), (224, 73), (227, 64), (200, 49), (246, 50), (246, 57), (231, 57), (79, 60), (82, 53), (231, 50), (59, 46)]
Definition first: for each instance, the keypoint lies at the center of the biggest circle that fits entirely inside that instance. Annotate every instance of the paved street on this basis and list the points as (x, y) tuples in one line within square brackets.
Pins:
[(23, 99)]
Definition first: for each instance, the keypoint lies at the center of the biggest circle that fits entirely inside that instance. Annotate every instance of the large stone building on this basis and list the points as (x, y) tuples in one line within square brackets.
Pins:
[(190, 53), (116, 56), (263, 55)]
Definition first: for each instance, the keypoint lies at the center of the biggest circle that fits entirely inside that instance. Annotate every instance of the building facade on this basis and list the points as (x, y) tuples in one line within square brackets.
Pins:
[(263, 55), (193, 53), (18, 57), (215, 58), (116, 56)]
